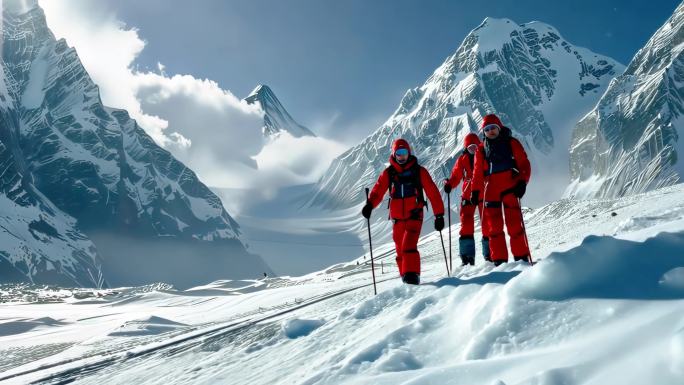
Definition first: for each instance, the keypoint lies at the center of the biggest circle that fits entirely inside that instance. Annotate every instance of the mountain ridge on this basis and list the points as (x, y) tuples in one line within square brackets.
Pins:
[(529, 75), (629, 142), (128, 195)]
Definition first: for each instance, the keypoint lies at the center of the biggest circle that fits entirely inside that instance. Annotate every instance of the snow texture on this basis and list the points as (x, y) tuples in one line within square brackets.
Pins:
[(603, 305)]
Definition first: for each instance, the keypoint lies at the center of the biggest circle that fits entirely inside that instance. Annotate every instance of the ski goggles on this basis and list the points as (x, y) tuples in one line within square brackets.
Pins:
[(472, 148), (490, 127), (401, 152)]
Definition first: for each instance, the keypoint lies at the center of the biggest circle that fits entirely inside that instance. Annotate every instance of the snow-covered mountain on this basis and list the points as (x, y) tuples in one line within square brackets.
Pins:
[(149, 216), (630, 142), (276, 117), (38, 241), (536, 81)]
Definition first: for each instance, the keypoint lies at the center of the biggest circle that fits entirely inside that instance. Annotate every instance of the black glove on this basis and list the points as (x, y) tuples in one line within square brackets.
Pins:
[(366, 211), (475, 198), (439, 222), (447, 188), (519, 189)]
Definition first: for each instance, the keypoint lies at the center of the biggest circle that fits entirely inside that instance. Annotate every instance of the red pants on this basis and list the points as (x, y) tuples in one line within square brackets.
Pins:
[(498, 206), (468, 219), (406, 233)]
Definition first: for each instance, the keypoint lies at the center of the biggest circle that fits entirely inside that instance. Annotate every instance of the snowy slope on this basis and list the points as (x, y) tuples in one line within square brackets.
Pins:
[(276, 117), (603, 306), (148, 214), (630, 142), (538, 83)]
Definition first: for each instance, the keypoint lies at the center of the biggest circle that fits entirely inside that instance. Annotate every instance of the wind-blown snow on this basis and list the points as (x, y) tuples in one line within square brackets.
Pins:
[(604, 305)]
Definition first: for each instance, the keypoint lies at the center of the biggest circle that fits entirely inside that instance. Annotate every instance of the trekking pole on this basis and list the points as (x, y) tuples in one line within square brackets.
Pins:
[(446, 179), (527, 243), (370, 244), (445, 256), (451, 265)]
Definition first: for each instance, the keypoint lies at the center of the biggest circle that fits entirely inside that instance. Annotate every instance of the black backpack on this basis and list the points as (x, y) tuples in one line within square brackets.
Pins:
[(499, 154), (406, 184)]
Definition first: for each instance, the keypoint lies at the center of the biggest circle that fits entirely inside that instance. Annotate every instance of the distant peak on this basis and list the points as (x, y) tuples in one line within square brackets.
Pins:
[(260, 92), (19, 7), (492, 34), (276, 118), (502, 24), (494, 27)]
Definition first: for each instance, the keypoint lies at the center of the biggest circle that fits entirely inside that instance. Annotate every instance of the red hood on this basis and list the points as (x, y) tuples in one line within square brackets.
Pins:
[(400, 143), (471, 138), (491, 119)]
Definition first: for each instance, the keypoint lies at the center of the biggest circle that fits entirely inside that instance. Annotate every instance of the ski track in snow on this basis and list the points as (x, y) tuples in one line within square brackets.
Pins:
[(604, 305)]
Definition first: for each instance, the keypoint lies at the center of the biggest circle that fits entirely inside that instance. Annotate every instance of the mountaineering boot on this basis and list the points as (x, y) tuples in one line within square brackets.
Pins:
[(411, 278), (497, 263), (466, 246), (485, 249), (525, 258)]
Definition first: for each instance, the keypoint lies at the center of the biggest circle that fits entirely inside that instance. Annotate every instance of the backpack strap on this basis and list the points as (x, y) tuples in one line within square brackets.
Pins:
[(420, 196), (415, 173)]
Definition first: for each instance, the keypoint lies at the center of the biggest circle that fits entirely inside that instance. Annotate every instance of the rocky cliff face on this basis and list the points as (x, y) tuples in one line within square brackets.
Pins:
[(630, 142), (38, 242), (140, 206)]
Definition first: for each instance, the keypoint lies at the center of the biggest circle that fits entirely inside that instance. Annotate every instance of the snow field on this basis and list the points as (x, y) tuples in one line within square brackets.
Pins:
[(603, 306)]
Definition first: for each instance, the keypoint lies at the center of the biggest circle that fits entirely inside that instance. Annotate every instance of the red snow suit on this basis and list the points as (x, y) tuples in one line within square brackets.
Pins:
[(463, 169), (499, 164), (406, 204)]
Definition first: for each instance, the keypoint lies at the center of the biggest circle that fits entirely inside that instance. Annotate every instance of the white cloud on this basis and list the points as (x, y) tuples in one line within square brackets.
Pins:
[(203, 125), (107, 49), (219, 127), (288, 160)]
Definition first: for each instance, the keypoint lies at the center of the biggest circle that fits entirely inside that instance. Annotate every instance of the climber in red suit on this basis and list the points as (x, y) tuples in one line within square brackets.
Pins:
[(501, 174), (463, 170), (405, 180)]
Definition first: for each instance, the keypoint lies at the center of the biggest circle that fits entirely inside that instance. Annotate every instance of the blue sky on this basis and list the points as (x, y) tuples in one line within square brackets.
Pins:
[(341, 67)]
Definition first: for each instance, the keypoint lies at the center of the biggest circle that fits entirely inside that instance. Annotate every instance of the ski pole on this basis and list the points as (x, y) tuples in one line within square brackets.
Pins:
[(445, 256), (370, 244), (522, 220)]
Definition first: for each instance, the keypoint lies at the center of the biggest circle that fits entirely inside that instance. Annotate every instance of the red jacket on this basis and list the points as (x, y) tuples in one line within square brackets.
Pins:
[(400, 208), (519, 156), (462, 168)]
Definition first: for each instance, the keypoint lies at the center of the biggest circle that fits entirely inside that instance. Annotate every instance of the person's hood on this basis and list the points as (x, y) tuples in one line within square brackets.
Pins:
[(490, 119), (471, 138), (400, 143)]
